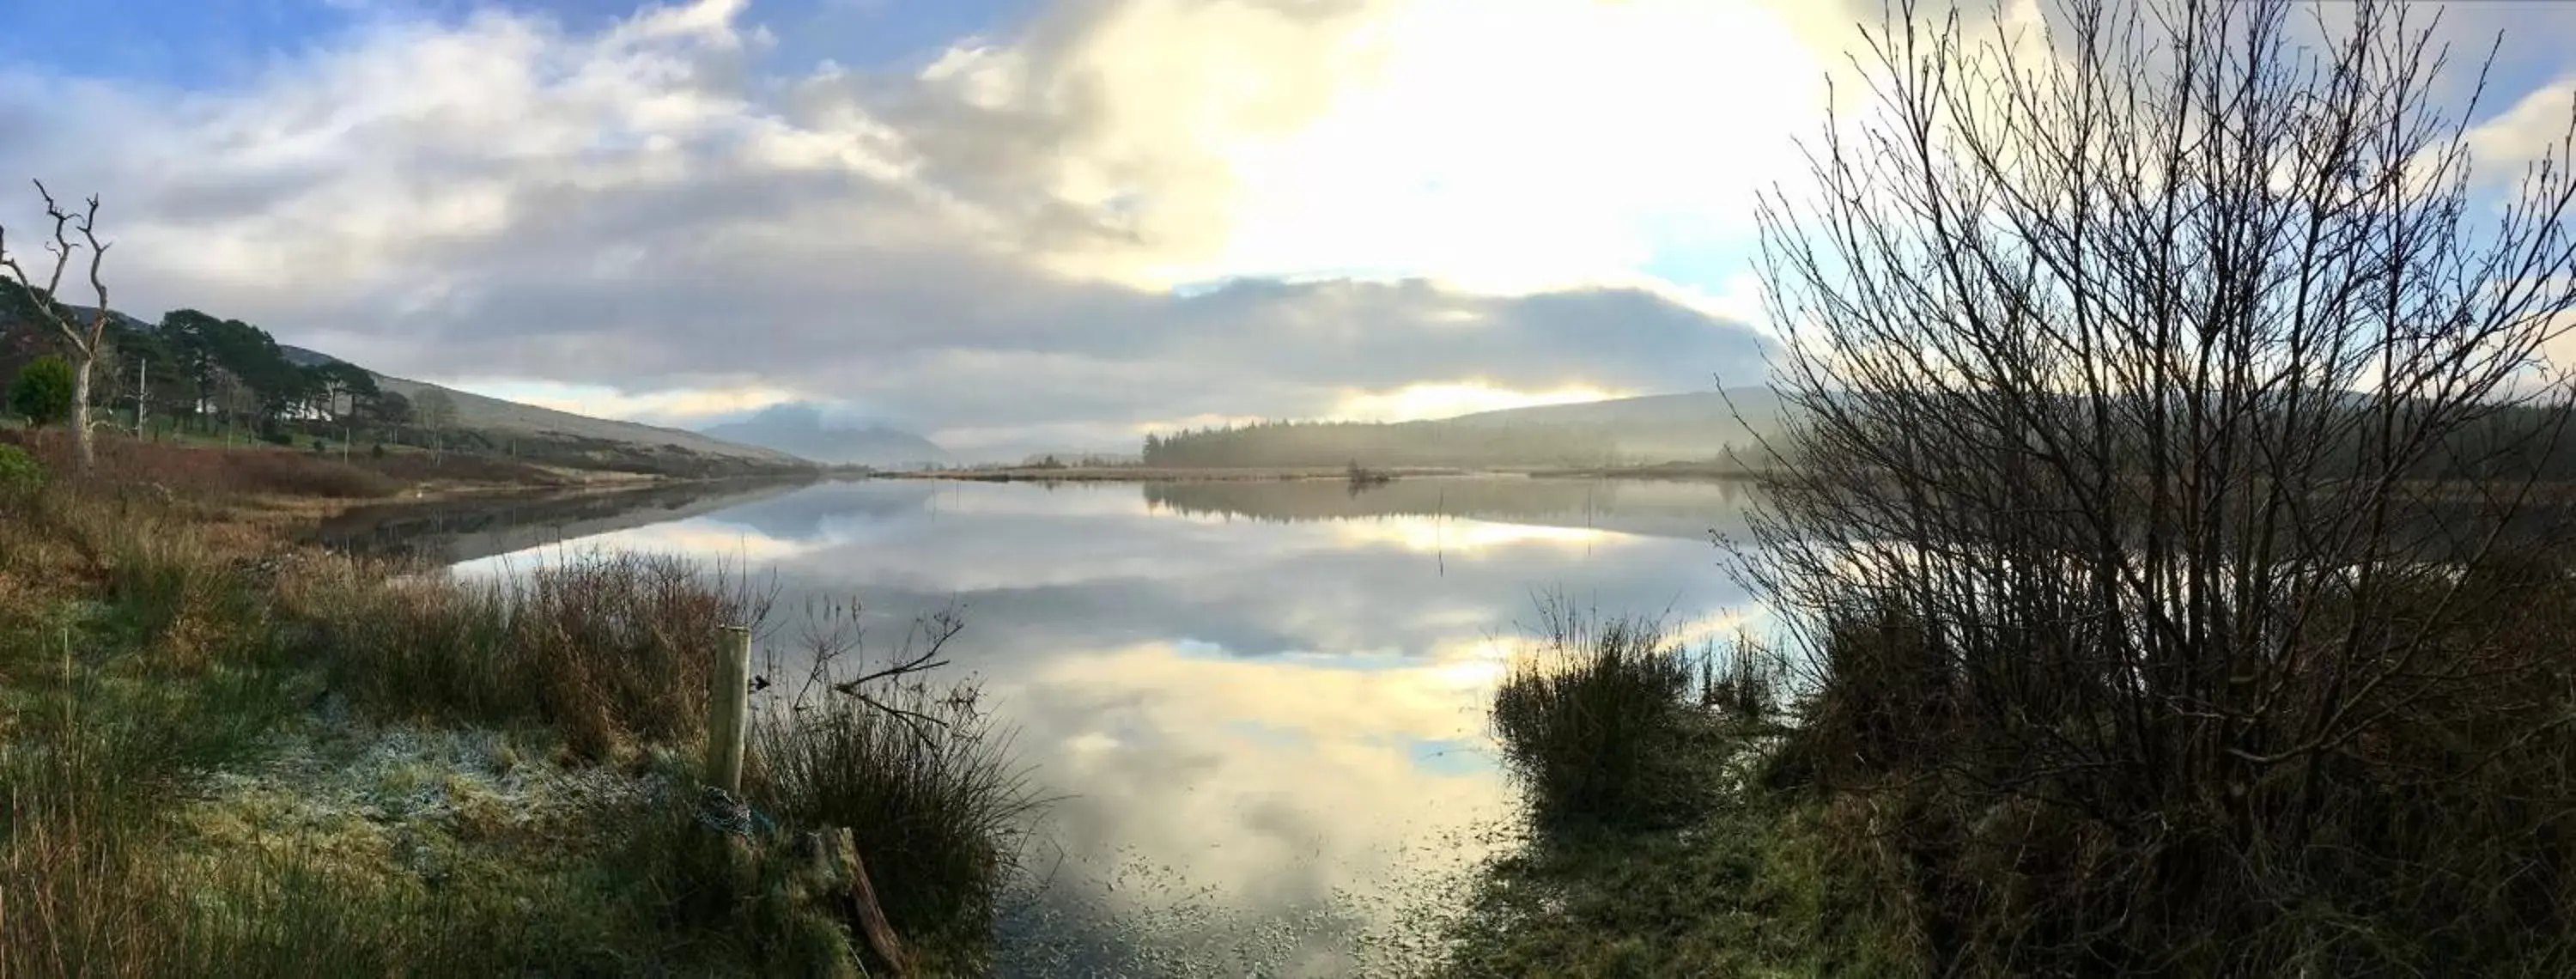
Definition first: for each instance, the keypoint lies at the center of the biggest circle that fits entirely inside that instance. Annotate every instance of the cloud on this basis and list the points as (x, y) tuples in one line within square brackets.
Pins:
[(1114, 216), (2534, 128), (657, 217)]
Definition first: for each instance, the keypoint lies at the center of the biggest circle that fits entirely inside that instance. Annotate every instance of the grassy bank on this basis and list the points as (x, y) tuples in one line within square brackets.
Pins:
[(1659, 470), (1159, 474), (1694, 815), (1654, 851), (225, 755)]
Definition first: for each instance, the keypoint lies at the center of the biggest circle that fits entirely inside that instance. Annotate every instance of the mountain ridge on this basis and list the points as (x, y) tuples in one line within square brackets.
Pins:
[(1642, 430), (801, 429)]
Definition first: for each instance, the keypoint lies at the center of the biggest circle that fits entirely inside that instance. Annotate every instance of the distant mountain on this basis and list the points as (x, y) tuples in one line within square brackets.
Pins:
[(1623, 431), (801, 430)]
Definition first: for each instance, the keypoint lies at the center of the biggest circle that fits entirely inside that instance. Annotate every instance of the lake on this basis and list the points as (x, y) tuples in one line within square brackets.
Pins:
[(1262, 702)]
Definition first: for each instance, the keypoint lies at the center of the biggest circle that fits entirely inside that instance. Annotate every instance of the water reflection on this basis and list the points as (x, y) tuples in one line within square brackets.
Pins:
[(1264, 701)]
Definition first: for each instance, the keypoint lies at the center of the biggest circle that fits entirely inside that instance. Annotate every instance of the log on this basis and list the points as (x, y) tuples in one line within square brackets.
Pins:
[(839, 852)]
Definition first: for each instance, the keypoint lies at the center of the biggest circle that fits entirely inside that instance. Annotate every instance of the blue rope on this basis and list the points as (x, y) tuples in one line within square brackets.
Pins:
[(721, 811)]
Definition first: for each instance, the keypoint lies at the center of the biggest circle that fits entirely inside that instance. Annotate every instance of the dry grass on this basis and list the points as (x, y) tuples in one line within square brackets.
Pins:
[(206, 472), (611, 649), (162, 661)]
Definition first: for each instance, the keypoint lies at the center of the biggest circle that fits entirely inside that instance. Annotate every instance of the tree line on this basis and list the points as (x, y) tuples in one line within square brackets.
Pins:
[(1311, 443), (219, 376)]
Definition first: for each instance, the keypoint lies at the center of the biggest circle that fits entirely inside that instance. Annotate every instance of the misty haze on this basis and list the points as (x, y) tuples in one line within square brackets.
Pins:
[(1287, 488)]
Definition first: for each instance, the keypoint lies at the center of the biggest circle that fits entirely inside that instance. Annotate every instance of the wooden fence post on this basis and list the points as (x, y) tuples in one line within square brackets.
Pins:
[(729, 710)]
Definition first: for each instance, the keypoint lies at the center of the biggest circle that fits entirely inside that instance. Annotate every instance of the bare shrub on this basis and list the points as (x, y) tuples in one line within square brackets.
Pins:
[(2153, 379)]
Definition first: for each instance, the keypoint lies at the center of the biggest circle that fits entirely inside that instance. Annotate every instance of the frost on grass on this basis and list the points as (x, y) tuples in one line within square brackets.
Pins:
[(408, 800)]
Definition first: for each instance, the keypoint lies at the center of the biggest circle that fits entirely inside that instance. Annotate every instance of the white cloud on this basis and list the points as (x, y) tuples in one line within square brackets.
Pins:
[(2534, 127), (684, 407), (1448, 400), (648, 217), (1510, 147)]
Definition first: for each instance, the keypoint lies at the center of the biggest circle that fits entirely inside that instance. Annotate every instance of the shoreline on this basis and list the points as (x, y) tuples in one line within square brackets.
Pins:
[(1122, 474), (1130, 474)]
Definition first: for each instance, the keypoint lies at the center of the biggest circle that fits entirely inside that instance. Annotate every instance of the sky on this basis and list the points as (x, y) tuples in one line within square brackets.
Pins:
[(1012, 225)]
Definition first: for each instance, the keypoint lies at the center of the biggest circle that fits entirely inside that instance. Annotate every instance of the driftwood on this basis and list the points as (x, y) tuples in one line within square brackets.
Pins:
[(836, 854)]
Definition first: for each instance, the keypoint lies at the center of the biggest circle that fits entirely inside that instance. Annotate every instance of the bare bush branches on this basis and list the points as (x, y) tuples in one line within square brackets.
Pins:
[(2156, 377)]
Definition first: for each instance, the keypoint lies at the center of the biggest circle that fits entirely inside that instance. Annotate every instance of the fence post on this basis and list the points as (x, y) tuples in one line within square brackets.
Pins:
[(729, 710)]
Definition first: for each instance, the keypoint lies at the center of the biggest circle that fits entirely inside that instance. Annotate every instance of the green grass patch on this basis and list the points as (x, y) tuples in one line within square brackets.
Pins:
[(1747, 886), (221, 756)]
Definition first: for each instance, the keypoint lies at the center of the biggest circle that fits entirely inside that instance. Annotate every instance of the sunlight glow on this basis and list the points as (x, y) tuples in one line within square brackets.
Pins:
[(1454, 535), (682, 406), (1419, 139), (725, 545), (1451, 399)]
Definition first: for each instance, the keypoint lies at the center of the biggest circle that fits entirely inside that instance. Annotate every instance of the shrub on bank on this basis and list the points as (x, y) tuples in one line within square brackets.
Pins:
[(2435, 839), (1596, 721)]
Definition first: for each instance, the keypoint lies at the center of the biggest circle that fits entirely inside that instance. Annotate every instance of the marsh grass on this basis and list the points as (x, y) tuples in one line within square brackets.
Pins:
[(613, 649), (1595, 719), (1658, 848), (163, 667), (2436, 840), (928, 783)]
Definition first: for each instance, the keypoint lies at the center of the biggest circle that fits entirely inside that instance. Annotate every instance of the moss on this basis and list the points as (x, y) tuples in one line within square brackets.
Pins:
[(1738, 891)]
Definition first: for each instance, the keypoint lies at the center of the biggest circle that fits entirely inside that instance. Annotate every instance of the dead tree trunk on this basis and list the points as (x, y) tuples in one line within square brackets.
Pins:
[(82, 339), (81, 371)]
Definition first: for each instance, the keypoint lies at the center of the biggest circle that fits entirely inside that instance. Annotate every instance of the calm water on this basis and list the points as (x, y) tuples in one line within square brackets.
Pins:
[(1263, 702)]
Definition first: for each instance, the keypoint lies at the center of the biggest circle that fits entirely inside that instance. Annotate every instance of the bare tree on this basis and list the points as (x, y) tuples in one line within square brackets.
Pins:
[(437, 413), (2147, 378), (85, 340)]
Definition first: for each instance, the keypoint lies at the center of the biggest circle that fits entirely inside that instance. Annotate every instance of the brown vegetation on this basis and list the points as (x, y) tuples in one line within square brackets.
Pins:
[(188, 704), (2139, 371), (208, 472)]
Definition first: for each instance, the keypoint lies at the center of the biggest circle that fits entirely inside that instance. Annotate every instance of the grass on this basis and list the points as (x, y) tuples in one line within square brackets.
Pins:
[(220, 754), (609, 649), (1590, 722), (922, 777), (1658, 849), (125, 462), (1889, 820)]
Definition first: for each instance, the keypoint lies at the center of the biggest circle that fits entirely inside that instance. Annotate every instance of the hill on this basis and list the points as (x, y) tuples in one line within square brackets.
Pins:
[(505, 419), (1623, 431), (1654, 428), (801, 430), (210, 375)]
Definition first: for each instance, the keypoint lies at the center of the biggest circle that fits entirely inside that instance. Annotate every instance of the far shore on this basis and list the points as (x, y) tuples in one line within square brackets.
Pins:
[(1142, 474), (1167, 474)]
